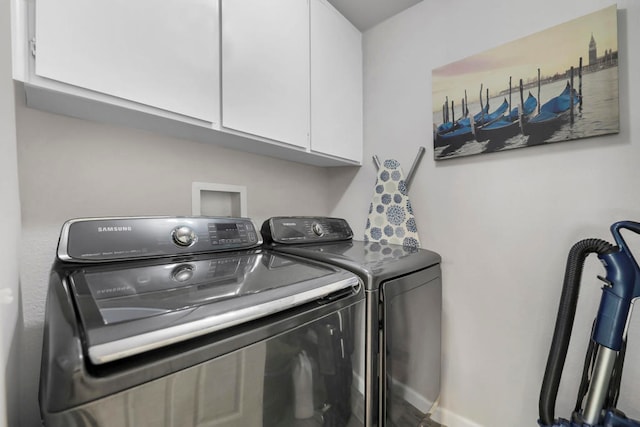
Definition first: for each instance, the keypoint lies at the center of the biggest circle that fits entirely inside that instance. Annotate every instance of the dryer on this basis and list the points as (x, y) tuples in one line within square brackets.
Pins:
[(403, 288), (189, 322)]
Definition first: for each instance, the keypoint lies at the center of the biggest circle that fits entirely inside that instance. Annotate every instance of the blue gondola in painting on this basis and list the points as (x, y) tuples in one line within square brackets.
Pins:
[(457, 137), (553, 114), (462, 122), (507, 126)]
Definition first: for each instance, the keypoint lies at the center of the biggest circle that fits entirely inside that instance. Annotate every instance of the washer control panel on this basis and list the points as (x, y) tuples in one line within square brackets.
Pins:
[(297, 230), (108, 239)]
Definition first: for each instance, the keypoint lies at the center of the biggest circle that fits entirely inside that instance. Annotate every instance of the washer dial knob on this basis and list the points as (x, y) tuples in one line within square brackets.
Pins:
[(183, 236), (317, 229)]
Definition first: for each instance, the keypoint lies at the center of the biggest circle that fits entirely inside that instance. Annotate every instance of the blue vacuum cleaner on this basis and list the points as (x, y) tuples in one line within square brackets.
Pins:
[(600, 386)]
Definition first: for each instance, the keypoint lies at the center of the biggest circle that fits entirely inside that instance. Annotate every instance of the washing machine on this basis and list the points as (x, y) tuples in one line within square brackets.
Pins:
[(403, 288), (190, 322)]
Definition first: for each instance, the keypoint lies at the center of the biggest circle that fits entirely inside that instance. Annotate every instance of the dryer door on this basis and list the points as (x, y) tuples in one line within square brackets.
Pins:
[(411, 341)]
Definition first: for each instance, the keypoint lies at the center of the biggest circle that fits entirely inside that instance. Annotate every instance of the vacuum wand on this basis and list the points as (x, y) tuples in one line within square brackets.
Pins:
[(606, 351)]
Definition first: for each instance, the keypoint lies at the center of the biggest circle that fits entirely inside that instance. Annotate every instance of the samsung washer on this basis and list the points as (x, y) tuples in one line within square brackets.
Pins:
[(188, 322), (403, 289)]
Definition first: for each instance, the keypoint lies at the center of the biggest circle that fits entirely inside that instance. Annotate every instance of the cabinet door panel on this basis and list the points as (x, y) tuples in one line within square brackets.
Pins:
[(163, 54), (265, 68), (336, 83)]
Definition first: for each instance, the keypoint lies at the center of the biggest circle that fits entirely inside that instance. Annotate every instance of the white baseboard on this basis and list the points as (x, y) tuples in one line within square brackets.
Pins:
[(451, 419), (439, 414), (417, 400)]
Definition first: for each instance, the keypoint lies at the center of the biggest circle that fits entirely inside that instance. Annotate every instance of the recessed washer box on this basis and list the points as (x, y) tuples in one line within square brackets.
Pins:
[(218, 199)]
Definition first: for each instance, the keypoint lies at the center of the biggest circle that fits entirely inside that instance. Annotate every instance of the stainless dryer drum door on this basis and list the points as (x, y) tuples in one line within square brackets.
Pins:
[(305, 376), (411, 341)]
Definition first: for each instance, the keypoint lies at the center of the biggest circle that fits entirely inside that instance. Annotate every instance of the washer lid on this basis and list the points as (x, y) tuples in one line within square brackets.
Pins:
[(130, 308), (373, 262)]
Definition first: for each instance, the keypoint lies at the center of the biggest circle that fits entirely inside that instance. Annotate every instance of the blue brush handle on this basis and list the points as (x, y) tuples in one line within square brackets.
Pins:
[(622, 286)]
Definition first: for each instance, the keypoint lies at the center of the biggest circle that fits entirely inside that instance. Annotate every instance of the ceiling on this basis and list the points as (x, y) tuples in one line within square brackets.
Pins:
[(365, 14)]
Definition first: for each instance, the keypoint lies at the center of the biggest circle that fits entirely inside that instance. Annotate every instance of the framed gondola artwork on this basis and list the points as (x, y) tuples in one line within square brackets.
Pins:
[(557, 85)]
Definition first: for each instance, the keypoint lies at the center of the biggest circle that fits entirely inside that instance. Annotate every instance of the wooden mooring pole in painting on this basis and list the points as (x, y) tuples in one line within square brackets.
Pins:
[(539, 101), (481, 104), (521, 98), (521, 109), (466, 104), (580, 82), (571, 95), (453, 113), (483, 123), (446, 105), (510, 108)]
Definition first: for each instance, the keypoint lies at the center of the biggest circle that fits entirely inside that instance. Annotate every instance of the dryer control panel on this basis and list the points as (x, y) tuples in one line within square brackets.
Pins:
[(109, 239), (300, 230)]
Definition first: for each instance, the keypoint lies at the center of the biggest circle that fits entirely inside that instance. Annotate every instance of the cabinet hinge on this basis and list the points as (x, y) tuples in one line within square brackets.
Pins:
[(32, 47)]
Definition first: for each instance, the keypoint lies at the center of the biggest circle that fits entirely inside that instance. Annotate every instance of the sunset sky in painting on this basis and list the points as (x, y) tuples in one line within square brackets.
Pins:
[(553, 51)]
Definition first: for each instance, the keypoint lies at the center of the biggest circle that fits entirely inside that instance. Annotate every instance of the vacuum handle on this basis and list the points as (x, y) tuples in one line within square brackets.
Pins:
[(629, 225), (622, 286), (632, 284)]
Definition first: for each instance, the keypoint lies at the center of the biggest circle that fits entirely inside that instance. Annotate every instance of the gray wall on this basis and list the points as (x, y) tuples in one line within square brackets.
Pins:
[(503, 222), (10, 215), (72, 168)]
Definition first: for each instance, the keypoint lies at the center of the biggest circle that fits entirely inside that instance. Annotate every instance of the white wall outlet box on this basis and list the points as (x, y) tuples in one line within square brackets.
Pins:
[(218, 199)]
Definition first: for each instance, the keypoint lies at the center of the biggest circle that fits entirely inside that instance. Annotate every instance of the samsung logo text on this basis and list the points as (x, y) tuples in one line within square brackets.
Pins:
[(110, 229)]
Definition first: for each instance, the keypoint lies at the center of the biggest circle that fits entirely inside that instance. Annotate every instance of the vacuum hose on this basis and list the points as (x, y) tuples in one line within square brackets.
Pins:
[(564, 324)]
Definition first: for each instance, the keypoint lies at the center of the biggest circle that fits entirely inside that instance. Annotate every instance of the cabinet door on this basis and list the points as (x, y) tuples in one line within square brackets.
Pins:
[(159, 53), (265, 68), (336, 83)]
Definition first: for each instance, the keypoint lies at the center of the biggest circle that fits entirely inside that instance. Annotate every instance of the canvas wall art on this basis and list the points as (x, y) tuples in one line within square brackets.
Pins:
[(556, 85)]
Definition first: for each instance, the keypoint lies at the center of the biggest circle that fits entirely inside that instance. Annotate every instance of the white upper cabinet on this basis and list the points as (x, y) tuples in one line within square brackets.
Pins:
[(336, 83), (280, 77), (265, 69), (163, 54)]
